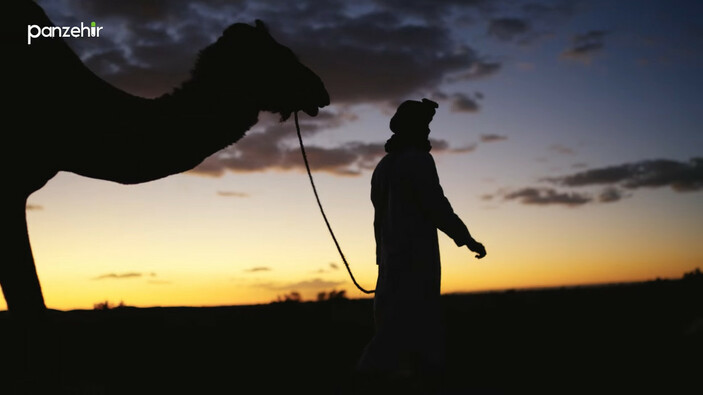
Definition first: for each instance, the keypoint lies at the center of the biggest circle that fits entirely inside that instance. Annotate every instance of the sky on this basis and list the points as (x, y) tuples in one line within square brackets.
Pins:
[(568, 138)]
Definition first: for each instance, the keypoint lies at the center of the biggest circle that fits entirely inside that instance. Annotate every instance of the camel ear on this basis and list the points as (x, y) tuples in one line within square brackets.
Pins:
[(430, 103), (261, 26)]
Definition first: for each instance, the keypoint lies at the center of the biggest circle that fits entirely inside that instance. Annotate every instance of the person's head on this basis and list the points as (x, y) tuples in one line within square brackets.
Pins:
[(412, 118)]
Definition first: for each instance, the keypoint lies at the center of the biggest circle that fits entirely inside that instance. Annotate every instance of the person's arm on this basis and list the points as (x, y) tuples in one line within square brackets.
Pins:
[(427, 188)]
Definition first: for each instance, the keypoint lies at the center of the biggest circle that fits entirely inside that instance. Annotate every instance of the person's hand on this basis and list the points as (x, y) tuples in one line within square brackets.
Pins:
[(478, 248)]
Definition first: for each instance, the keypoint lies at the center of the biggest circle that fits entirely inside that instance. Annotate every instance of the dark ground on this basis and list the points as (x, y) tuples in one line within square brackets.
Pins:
[(621, 339)]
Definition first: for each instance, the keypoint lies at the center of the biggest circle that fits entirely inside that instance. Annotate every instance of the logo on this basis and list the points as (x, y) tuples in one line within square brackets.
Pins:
[(36, 31)]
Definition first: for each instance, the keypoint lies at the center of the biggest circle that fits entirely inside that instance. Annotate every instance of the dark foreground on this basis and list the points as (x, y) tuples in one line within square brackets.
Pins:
[(633, 338)]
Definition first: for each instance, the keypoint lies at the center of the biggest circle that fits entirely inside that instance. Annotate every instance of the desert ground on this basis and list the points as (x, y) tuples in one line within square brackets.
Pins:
[(621, 338)]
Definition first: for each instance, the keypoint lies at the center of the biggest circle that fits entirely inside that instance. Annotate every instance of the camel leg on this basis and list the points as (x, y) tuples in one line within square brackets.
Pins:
[(18, 275)]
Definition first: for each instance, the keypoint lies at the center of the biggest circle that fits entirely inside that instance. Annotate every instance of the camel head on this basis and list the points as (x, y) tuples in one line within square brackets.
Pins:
[(247, 64)]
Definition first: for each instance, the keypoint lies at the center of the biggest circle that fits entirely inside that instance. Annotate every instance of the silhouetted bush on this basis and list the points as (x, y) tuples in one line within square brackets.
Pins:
[(106, 305), (332, 295), (693, 275), (293, 297), (337, 295)]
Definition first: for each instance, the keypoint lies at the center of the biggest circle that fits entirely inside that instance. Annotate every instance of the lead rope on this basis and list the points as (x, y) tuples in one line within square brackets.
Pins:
[(307, 167)]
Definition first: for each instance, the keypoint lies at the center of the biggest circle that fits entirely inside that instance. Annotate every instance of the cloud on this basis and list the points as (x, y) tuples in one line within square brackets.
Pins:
[(530, 21), (490, 138), (376, 56), (507, 29), (547, 196), (610, 195), (258, 269), (679, 176), (34, 207), (463, 150), (562, 149), (315, 284), (374, 52), (432, 10), (120, 276), (273, 146), (464, 103), (332, 267), (379, 58), (478, 70), (618, 180), (146, 49), (232, 194), (550, 12), (442, 147), (584, 46)]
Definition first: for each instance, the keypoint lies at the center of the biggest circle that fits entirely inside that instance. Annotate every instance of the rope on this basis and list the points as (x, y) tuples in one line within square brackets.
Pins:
[(314, 189)]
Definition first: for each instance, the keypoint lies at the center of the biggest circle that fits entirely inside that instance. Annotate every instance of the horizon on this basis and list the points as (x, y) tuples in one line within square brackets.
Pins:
[(109, 305), (567, 138)]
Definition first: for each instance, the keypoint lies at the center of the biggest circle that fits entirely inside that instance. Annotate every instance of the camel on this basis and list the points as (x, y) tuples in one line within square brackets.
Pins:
[(66, 118)]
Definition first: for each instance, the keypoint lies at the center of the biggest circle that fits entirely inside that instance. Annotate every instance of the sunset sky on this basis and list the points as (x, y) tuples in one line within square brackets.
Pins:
[(568, 138)]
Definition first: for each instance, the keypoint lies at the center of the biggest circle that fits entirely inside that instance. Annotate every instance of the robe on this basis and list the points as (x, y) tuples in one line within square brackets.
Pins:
[(410, 207)]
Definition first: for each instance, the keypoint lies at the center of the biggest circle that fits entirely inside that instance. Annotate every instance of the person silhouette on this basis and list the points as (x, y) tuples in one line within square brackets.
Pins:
[(407, 349)]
